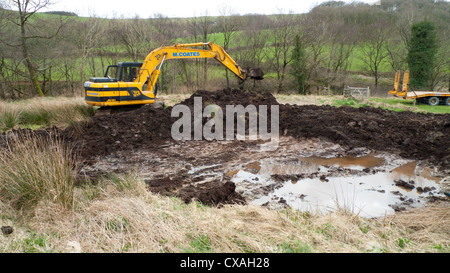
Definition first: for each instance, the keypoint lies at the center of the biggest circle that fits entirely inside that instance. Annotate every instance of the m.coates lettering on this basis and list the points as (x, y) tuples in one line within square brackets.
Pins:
[(186, 54)]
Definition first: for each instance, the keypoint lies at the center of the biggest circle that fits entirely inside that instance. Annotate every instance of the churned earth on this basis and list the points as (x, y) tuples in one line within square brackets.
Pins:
[(367, 160)]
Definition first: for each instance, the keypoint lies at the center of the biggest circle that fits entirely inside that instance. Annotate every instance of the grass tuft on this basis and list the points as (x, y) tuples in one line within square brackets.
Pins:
[(35, 168), (44, 112), (9, 117)]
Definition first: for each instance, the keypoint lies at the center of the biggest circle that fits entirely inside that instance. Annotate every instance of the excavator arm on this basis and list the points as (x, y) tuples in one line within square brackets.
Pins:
[(151, 68)]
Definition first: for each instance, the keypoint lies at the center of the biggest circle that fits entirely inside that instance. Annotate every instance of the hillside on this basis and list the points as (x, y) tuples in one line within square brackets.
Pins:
[(339, 40)]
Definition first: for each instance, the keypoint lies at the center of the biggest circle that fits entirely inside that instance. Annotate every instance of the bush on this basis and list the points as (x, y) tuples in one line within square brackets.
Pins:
[(422, 54), (35, 168), (9, 117)]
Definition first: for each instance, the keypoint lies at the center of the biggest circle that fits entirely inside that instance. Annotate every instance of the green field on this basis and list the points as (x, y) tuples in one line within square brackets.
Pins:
[(394, 104)]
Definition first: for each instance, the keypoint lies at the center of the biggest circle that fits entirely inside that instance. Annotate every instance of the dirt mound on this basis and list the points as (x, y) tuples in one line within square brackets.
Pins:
[(211, 193), (144, 128), (412, 135), (230, 96), (148, 127)]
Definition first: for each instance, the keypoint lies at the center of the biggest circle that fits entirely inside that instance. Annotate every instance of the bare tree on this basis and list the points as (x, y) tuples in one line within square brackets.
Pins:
[(200, 29), (373, 49), (342, 42), (135, 34), (314, 32), (253, 40), (229, 24), (87, 38), (205, 27), (167, 29), (26, 10), (283, 35)]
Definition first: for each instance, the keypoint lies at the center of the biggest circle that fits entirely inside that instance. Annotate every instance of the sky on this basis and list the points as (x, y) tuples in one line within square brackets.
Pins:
[(181, 8)]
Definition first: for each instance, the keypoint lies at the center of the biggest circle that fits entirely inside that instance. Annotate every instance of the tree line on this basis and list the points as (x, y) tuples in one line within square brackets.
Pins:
[(48, 54)]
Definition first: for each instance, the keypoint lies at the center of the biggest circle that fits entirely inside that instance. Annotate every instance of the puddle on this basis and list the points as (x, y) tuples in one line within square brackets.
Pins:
[(316, 164), (368, 196), (406, 170), (313, 184), (360, 163)]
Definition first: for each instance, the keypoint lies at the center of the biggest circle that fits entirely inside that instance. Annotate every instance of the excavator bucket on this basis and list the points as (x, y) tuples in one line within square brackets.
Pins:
[(255, 73)]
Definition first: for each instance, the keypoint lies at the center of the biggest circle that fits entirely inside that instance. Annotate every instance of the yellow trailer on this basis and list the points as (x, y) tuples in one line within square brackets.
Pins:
[(430, 97)]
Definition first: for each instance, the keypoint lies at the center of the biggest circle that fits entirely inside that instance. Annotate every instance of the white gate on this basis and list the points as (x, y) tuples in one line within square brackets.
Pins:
[(358, 93)]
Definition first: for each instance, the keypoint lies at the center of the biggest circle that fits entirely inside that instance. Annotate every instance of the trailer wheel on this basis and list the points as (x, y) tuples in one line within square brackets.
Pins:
[(447, 101), (433, 101)]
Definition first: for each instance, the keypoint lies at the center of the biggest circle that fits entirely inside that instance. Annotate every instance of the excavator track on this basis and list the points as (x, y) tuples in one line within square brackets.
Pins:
[(111, 110)]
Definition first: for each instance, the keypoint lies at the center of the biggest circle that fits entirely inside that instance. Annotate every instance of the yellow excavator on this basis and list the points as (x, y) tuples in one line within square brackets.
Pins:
[(129, 83)]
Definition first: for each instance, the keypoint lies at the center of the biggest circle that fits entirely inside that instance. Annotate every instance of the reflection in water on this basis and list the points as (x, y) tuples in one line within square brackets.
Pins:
[(368, 161), (370, 195)]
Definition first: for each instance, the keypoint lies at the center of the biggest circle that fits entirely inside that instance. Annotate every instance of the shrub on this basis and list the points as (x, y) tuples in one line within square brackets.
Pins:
[(35, 168)]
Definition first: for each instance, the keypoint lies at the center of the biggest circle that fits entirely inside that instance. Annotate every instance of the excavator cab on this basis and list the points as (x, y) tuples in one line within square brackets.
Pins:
[(119, 86), (125, 72)]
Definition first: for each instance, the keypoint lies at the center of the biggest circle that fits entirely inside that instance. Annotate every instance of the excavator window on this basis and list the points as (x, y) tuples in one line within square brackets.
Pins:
[(112, 72), (129, 71), (125, 75)]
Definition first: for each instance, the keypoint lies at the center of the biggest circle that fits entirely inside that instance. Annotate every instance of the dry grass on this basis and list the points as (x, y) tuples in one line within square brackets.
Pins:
[(9, 116), (61, 112), (115, 216), (35, 168)]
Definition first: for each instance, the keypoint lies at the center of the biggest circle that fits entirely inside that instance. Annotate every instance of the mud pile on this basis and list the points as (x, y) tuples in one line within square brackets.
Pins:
[(148, 127), (229, 96), (411, 135), (144, 128)]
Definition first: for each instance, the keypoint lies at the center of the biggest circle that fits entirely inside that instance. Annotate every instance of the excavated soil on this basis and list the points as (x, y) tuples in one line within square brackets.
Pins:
[(412, 135), (147, 130), (148, 127)]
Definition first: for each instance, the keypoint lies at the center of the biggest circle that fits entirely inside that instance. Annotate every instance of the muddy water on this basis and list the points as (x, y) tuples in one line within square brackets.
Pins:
[(368, 161), (314, 164), (308, 174), (328, 184)]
